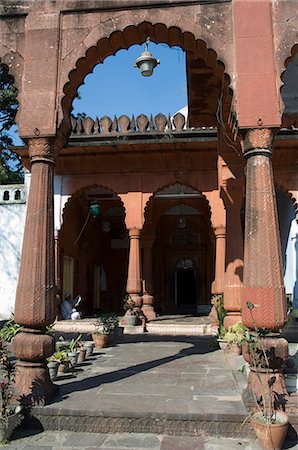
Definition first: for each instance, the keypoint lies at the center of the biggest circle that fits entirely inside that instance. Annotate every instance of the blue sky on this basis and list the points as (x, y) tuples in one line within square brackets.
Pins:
[(116, 87)]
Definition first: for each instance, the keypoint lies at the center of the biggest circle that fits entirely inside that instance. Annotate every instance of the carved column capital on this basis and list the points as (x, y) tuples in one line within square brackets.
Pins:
[(41, 149), (134, 233), (219, 231), (258, 141)]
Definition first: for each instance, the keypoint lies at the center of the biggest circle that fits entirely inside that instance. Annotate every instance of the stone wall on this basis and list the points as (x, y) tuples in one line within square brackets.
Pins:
[(12, 221)]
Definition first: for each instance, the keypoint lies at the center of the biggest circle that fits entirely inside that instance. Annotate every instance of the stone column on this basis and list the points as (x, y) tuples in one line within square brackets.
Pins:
[(263, 280), (35, 297), (148, 298), (220, 253), (59, 294), (264, 302), (233, 280), (134, 280)]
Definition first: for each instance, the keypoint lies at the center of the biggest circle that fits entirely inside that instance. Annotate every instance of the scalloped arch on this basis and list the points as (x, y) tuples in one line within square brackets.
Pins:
[(15, 74), (293, 200), (149, 203), (287, 89), (79, 192), (123, 39)]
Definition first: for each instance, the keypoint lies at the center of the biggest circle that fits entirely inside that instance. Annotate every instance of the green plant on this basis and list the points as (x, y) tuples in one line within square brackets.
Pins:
[(9, 330), (221, 314), (236, 334), (74, 343), (265, 364), (129, 304), (106, 323), (6, 384), (59, 356)]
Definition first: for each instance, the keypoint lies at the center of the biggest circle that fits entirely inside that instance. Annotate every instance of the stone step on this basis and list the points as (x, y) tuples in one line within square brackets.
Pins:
[(170, 327), (217, 424)]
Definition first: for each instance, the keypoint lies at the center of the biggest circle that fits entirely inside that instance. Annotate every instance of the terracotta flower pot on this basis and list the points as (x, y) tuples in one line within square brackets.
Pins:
[(63, 366), (82, 355), (270, 435), (100, 340)]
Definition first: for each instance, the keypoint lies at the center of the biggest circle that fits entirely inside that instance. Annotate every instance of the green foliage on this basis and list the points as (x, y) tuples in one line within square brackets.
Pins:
[(236, 334), (264, 360), (6, 384), (74, 343), (11, 169), (221, 314), (128, 303), (59, 356), (9, 330), (107, 323)]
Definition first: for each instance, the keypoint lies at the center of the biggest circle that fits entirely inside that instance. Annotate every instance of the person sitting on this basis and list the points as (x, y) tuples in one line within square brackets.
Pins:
[(68, 307)]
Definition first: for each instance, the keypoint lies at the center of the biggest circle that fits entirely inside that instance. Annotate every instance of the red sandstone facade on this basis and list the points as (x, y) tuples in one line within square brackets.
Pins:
[(174, 205)]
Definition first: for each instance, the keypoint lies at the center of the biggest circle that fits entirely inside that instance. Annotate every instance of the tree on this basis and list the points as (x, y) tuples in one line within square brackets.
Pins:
[(11, 169)]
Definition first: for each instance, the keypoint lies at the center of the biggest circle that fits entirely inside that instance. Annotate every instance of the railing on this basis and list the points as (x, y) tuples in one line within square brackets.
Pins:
[(125, 125)]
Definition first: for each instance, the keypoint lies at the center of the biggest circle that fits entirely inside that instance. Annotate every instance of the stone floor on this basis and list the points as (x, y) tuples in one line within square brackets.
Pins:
[(147, 392), (53, 440)]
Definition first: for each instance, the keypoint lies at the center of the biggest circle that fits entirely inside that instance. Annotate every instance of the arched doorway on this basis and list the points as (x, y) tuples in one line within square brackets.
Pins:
[(93, 250), (183, 250), (186, 286)]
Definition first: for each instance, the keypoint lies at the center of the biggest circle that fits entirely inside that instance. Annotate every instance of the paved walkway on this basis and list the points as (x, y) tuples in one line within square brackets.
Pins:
[(51, 440), (179, 392)]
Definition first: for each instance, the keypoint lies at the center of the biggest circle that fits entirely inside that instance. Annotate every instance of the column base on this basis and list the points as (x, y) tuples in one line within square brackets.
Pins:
[(257, 387), (232, 318), (147, 308), (149, 312), (33, 385)]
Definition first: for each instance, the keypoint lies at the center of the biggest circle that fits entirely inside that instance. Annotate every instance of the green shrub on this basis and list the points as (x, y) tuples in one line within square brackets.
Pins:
[(9, 330)]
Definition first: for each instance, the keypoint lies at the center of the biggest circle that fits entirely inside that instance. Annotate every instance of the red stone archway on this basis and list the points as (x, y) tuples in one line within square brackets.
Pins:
[(288, 76), (94, 249), (165, 243), (206, 73)]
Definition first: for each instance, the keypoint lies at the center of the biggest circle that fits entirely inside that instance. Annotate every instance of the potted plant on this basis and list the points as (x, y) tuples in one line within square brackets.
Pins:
[(269, 419), (10, 415), (130, 315), (62, 359), (235, 336), (89, 346), (74, 351), (101, 334)]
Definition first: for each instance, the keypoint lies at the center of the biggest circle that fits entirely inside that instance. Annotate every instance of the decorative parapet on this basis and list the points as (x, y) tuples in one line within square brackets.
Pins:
[(13, 193), (125, 125)]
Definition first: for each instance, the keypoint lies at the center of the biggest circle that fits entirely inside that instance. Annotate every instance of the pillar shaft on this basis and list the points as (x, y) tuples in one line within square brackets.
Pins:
[(263, 280), (35, 297), (233, 280), (220, 252), (148, 298), (134, 280)]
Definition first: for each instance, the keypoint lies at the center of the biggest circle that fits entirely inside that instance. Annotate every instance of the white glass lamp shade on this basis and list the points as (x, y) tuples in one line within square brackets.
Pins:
[(146, 63)]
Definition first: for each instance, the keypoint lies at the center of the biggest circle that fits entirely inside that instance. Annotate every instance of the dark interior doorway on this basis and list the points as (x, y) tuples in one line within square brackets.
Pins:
[(186, 294)]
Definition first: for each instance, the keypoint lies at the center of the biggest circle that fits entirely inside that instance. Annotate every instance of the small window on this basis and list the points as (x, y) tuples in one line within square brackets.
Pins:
[(6, 195), (17, 195)]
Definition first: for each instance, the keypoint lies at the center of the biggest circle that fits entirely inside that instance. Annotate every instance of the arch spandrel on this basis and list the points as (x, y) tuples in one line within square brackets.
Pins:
[(162, 25)]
